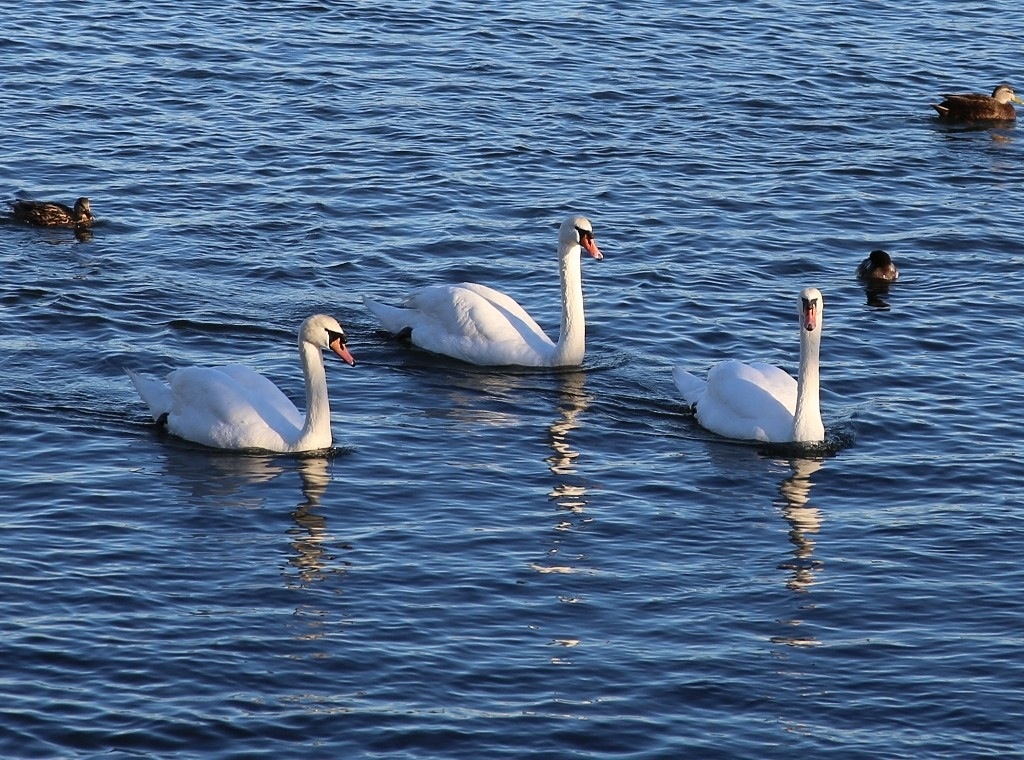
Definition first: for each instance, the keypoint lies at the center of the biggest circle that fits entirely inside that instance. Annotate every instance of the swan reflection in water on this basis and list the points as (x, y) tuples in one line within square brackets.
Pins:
[(310, 539), (215, 478), (569, 491), (473, 397), (212, 478), (804, 523)]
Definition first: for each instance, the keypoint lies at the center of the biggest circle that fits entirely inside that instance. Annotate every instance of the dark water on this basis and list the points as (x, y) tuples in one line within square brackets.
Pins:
[(497, 563)]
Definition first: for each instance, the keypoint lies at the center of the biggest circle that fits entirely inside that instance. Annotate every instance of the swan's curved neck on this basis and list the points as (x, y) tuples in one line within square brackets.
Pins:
[(572, 336), (807, 424), (316, 432)]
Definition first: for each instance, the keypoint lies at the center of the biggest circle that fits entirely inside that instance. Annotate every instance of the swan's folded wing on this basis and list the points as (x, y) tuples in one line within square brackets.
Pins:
[(228, 407), (469, 310), (263, 395), (470, 322), (509, 309), (751, 401), (776, 382)]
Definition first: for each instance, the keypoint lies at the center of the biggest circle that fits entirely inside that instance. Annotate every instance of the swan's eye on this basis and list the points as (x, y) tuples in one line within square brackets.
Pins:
[(585, 234), (810, 304), (333, 336)]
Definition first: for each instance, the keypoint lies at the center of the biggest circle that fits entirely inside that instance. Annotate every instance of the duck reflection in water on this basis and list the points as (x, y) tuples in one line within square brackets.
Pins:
[(804, 522)]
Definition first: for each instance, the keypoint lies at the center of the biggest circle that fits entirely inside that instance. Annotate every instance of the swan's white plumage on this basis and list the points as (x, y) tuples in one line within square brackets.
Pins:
[(761, 402), (749, 401), (233, 407), (480, 325)]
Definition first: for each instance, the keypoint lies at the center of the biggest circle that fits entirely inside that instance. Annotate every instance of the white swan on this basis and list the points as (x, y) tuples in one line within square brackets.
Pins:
[(233, 407), (761, 402), (480, 325)]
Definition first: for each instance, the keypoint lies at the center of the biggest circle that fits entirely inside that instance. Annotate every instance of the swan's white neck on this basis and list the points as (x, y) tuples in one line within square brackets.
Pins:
[(316, 432), (807, 424), (572, 337)]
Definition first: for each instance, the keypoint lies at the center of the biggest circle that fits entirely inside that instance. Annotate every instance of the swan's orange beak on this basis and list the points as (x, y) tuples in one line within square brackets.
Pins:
[(342, 350), (810, 314), (590, 245)]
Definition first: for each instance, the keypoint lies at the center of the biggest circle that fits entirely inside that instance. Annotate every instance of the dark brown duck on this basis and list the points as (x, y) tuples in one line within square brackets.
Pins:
[(974, 107), (48, 214), (878, 266)]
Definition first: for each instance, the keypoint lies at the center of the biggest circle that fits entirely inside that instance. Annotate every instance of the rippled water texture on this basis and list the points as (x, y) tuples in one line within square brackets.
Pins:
[(505, 563)]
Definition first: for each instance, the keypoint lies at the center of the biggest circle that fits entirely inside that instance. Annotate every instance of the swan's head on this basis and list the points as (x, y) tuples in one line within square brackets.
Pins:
[(83, 211), (1003, 93), (323, 331), (577, 230), (811, 307)]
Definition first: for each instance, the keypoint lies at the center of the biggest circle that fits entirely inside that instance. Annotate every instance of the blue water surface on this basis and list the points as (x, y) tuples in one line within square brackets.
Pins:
[(504, 563)]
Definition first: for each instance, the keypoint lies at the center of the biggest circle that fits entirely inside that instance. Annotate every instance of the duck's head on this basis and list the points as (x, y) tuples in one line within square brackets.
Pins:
[(1003, 93), (881, 266), (577, 230), (83, 211)]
